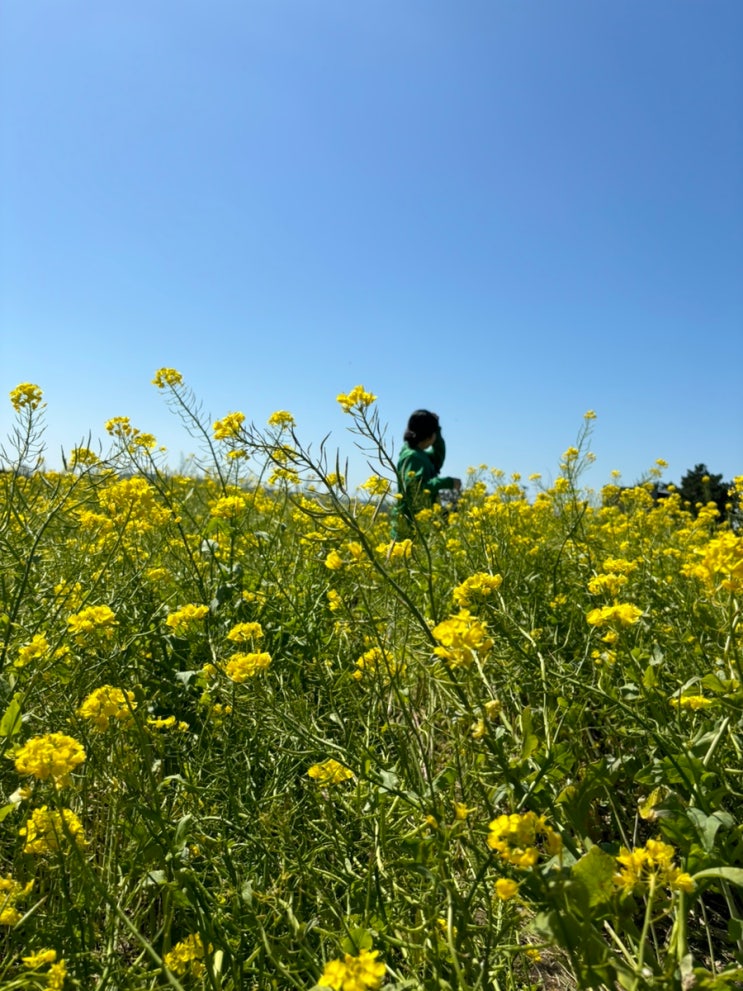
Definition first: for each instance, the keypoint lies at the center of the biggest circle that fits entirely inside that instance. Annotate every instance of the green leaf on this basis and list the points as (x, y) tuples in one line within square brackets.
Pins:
[(10, 724), (595, 870), (6, 810), (732, 874)]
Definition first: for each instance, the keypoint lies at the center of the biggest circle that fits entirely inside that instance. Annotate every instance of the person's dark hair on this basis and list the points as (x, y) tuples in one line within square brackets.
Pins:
[(421, 425)]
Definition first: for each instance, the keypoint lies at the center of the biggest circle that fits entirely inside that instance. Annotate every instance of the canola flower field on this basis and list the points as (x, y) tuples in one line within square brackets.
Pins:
[(249, 743)]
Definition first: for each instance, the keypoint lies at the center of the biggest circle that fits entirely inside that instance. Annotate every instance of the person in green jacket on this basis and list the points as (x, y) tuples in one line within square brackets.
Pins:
[(418, 466)]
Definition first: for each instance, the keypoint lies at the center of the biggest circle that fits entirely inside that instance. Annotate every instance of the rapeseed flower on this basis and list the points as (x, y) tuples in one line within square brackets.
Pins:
[(187, 957), (330, 772), (357, 398), (107, 705), (37, 649), (167, 376), (375, 662), (53, 755), (80, 457), (240, 667), (620, 614), (694, 702), (462, 638), (228, 427), (186, 618), (521, 838), (119, 426), (51, 831), (26, 396), (476, 588), (281, 418), (354, 973), (505, 888), (96, 621), (11, 892), (650, 867), (40, 959), (245, 633), (376, 486)]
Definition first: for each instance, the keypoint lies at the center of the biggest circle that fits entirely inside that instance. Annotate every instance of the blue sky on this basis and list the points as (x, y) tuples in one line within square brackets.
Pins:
[(507, 212)]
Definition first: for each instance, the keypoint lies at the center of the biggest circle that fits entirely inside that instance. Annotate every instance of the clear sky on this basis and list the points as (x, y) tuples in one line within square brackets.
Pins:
[(507, 211)]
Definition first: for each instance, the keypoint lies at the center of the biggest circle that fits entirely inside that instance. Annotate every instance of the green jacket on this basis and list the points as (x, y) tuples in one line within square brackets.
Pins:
[(418, 480)]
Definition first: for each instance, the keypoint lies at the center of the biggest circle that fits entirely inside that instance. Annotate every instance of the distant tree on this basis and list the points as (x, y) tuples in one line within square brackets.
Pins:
[(699, 486)]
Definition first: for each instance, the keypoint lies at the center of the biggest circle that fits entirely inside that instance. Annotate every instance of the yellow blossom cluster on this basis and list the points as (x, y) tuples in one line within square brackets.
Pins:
[(281, 418), (721, 563), (351, 973), (187, 618), (228, 427), (375, 485), (521, 838), (107, 705), (51, 831), (650, 867), (245, 633), (55, 976), (167, 377), (240, 667), (26, 396), (376, 662), (37, 649), (52, 756), (461, 638), (330, 772), (357, 398), (11, 892), (229, 507), (477, 588), (618, 615), (186, 959), (693, 702), (93, 621)]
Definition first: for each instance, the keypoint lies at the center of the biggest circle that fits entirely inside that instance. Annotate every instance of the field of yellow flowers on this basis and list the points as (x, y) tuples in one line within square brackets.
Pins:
[(250, 743)]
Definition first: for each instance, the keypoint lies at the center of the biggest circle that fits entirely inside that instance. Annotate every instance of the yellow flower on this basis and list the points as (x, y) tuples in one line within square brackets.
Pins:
[(376, 486), (34, 651), (651, 868), (228, 427), (621, 614), (119, 426), (281, 418), (12, 891), (187, 957), (357, 398), (240, 667), (505, 888), (106, 705), (82, 456), (167, 376), (186, 618), (56, 976), (375, 662), (26, 396), (334, 562), (694, 702), (521, 838), (95, 620), (462, 638), (330, 772), (476, 588), (39, 959), (54, 756), (353, 973), (245, 633), (50, 831)]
